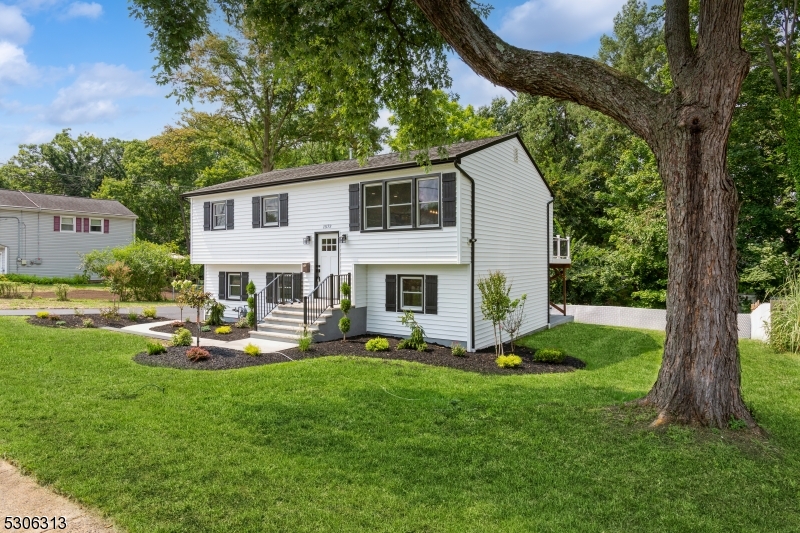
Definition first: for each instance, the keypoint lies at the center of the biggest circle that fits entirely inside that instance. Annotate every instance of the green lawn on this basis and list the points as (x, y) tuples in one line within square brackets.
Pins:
[(343, 444)]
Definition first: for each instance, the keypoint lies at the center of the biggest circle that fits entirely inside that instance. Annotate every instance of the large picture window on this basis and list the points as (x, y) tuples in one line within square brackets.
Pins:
[(67, 223), (400, 204), (234, 286), (373, 206), (271, 213), (428, 202), (219, 215), (411, 293)]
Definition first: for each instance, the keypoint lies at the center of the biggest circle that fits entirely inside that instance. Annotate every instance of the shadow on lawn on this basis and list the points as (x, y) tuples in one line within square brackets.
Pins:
[(582, 341)]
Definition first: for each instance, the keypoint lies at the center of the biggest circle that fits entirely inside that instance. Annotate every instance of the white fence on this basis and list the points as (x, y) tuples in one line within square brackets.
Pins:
[(750, 326)]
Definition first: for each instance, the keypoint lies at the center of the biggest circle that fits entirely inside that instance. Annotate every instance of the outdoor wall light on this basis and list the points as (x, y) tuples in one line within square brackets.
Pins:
[(306, 240), (343, 238)]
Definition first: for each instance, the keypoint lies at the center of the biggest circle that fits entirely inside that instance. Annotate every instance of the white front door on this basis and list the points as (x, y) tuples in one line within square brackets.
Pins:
[(327, 255)]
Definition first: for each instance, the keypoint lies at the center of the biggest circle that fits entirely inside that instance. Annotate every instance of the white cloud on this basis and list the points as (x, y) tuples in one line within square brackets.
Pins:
[(90, 10), (14, 66), (94, 95), (545, 24), (13, 26)]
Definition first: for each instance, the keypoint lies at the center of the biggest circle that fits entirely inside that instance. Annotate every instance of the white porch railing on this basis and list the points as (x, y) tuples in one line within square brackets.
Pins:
[(560, 253)]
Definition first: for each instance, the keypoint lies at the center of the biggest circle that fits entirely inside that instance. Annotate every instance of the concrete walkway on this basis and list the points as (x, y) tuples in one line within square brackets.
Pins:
[(264, 345), (21, 496)]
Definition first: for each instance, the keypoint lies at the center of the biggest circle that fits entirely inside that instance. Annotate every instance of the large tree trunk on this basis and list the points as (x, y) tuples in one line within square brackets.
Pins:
[(687, 129)]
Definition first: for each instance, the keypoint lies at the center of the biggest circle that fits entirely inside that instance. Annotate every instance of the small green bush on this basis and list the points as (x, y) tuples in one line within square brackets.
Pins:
[(242, 323), (378, 344), (509, 361), (251, 319), (252, 349), (43, 314), (149, 312), (417, 337), (197, 354), (110, 312), (62, 290), (182, 337), (132, 316), (9, 289), (60, 323), (345, 288), (344, 325), (305, 341), (155, 348), (27, 278), (549, 355), (215, 313), (345, 305), (458, 350), (88, 323), (223, 330), (205, 328)]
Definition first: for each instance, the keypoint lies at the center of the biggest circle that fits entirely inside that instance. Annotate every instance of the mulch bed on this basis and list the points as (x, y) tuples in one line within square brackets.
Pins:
[(235, 334), (481, 362), (73, 321), (87, 294)]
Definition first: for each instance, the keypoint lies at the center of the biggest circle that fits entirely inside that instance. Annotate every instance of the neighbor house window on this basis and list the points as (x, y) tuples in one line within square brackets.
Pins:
[(411, 293), (67, 223), (219, 215), (234, 286), (271, 207), (400, 204), (428, 202), (96, 225), (373, 206)]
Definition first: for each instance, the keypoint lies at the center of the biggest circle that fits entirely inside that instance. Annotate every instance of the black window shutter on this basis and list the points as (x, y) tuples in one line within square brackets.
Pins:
[(206, 216), (229, 213), (223, 285), (431, 295), (273, 291), (256, 211), (449, 199), (391, 293), (284, 207), (355, 204), (297, 287), (245, 281)]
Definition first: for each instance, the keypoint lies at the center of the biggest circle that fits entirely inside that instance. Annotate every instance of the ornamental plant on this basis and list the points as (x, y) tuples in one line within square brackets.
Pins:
[(181, 286), (118, 278), (155, 348), (251, 304), (494, 304), (549, 355), (197, 299), (305, 340), (458, 350), (42, 314), (344, 305), (509, 361), (149, 312), (378, 344), (182, 337), (417, 339), (215, 313), (88, 323), (62, 291), (223, 330), (196, 353), (252, 350), (512, 324)]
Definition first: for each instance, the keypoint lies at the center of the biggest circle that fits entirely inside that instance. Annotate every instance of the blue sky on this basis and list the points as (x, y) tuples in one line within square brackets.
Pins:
[(86, 65)]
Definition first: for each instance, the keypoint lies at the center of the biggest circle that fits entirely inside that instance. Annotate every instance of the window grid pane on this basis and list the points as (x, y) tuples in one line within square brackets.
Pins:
[(428, 201), (220, 220), (235, 285), (373, 206), (271, 209), (95, 225), (411, 289), (399, 204), (67, 223)]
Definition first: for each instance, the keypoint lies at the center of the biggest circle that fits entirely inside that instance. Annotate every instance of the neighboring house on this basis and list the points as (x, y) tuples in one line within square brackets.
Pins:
[(405, 236), (45, 234)]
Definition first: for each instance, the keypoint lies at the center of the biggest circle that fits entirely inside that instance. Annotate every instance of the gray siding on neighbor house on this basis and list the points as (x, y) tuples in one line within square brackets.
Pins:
[(59, 251)]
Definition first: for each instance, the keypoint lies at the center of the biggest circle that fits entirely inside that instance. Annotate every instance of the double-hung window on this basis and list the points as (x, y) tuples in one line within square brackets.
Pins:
[(219, 215), (427, 202), (400, 204), (373, 206), (411, 293), (67, 223), (96, 225), (271, 210), (234, 286)]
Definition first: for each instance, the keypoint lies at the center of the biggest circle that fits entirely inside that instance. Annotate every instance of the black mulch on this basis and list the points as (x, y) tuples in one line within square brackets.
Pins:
[(235, 334), (74, 321), (482, 362)]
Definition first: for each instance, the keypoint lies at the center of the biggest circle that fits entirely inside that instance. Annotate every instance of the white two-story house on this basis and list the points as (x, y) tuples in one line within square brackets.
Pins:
[(405, 237)]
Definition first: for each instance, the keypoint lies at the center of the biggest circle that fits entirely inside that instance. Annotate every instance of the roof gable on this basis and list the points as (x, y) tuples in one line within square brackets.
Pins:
[(52, 202)]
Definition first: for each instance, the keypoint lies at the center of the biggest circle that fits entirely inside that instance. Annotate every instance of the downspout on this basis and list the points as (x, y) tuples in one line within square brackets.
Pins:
[(549, 242), (472, 242)]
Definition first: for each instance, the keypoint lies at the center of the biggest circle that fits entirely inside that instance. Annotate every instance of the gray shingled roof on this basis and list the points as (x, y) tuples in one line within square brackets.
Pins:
[(52, 202), (348, 167)]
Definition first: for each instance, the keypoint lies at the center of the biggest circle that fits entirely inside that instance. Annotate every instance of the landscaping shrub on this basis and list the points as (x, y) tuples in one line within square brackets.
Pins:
[(242, 323), (55, 317), (417, 339), (305, 341), (205, 328), (78, 279), (509, 361), (88, 323), (177, 324), (378, 344), (458, 350), (133, 316), (251, 304), (9, 289), (223, 330), (344, 326), (110, 312), (62, 292), (77, 311), (42, 314), (549, 355), (252, 349), (783, 329), (215, 311), (182, 337), (344, 305), (31, 290), (149, 312), (155, 348), (195, 354), (60, 323)]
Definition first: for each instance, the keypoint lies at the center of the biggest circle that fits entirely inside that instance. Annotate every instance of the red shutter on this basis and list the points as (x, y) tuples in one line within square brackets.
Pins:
[(86, 225), (105, 225), (78, 225), (56, 223)]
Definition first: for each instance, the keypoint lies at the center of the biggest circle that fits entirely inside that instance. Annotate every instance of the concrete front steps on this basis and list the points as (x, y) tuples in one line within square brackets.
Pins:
[(285, 323)]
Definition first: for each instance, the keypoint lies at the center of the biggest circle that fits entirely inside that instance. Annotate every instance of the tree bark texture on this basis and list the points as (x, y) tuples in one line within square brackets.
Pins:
[(687, 129)]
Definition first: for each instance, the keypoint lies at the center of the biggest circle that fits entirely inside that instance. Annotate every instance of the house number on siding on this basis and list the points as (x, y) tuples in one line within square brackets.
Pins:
[(327, 226)]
